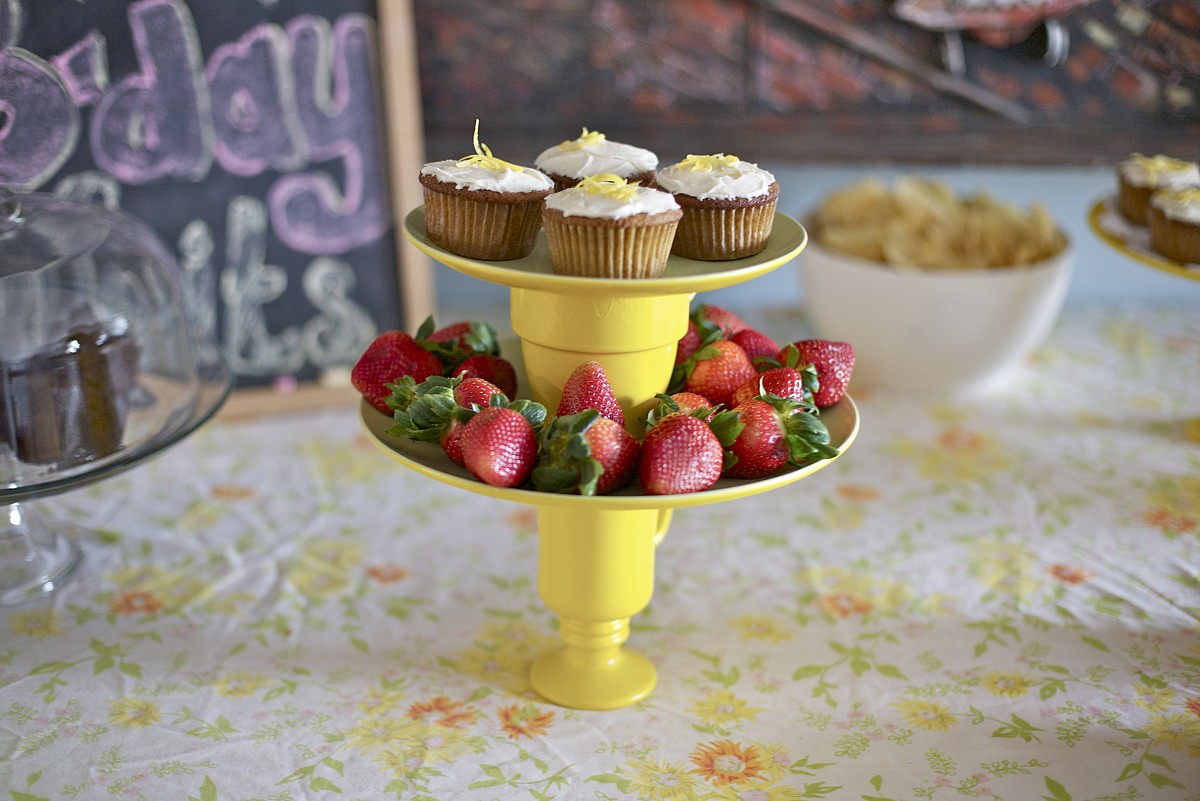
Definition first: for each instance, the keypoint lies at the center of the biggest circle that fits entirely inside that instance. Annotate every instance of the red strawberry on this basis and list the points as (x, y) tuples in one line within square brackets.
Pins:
[(492, 368), (834, 362), (727, 321), (756, 344), (499, 447), (476, 391), (451, 440), (685, 402), (587, 388), (585, 454), (390, 356), (760, 436), (718, 370), (784, 382), (456, 342), (688, 344), (679, 454)]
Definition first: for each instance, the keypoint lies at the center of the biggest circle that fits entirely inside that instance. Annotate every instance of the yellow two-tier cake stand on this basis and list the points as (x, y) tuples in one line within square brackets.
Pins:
[(596, 554)]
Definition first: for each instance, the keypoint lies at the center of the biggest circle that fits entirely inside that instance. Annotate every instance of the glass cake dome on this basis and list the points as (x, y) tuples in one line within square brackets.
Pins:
[(101, 366)]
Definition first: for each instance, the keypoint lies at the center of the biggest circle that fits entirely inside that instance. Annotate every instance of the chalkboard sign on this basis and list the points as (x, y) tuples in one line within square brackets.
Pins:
[(251, 135)]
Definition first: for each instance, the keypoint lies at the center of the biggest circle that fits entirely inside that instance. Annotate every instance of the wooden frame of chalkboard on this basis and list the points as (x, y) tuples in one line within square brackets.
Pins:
[(271, 146)]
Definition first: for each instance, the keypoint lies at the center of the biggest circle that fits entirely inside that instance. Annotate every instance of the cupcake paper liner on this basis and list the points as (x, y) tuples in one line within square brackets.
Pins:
[(482, 229), (1177, 240), (718, 234), (602, 251)]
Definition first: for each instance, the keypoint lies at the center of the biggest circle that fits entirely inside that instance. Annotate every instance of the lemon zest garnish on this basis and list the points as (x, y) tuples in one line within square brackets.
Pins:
[(586, 139), (1158, 166), (482, 157), (707, 163), (609, 185)]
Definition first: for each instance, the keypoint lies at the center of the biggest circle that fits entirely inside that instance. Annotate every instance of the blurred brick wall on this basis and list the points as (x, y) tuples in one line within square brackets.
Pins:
[(738, 74)]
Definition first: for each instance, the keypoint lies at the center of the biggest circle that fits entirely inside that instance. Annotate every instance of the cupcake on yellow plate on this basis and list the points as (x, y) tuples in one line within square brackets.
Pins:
[(593, 153), (482, 207), (728, 206), (1139, 176), (606, 227), (1174, 222)]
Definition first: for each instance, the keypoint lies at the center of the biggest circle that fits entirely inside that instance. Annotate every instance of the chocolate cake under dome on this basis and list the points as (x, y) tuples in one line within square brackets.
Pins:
[(101, 365)]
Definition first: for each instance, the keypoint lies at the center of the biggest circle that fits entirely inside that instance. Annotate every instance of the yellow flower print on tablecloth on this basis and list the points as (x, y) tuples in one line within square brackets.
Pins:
[(375, 733), (503, 650), (1173, 505), (765, 791), (841, 593), (324, 568), (927, 715), (726, 762), (379, 700), (956, 455), (419, 745), (524, 720), (660, 780), (240, 684), (1153, 698), (334, 463), (723, 708), (1008, 684), (148, 589), (1179, 731), (37, 624), (133, 713), (1005, 567), (753, 626)]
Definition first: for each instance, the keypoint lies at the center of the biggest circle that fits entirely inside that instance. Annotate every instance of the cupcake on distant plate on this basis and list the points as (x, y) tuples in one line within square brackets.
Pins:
[(594, 154), (1174, 221), (1139, 176), (482, 207), (728, 206), (606, 227)]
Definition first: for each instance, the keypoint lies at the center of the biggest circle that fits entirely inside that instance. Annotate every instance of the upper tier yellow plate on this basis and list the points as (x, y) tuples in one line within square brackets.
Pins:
[(1133, 240), (428, 459), (681, 276)]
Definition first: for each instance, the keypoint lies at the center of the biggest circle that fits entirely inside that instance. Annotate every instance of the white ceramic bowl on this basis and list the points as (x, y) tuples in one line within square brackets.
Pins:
[(938, 332)]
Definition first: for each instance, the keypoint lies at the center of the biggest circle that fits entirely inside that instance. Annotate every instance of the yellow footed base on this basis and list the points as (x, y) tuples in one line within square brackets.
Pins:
[(596, 571)]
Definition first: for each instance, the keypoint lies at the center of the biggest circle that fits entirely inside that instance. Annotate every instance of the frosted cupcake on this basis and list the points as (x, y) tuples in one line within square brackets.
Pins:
[(606, 227), (1139, 176), (728, 206), (1174, 221), (594, 154), (482, 207)]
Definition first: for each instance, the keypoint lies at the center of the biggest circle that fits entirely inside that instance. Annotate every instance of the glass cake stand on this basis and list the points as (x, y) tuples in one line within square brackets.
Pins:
[(596, 553)]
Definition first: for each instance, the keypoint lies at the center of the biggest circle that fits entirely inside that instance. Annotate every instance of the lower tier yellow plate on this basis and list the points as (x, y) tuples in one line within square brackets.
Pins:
[(428, 458), (1133, 240)]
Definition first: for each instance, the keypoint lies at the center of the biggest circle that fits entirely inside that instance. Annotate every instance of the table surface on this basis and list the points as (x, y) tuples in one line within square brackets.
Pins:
[(990, 598)]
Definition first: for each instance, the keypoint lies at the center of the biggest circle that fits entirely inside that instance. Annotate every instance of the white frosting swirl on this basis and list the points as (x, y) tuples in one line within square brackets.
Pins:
[(582, 203), (575, 160), (472, 176), (726, 180), (1179, 204), (1160, 171)]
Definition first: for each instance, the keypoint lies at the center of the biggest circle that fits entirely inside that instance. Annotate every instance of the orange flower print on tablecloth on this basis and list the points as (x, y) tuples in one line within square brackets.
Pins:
[(660, 780), (1173, 505), (133, 713), (857, 493), (957, 455), (135, 602), (1193, 706), (926, 715), (842, 604), (1070, 574), (841, 593), (726, 762), (233, 492), (524, 720), (387, 573), (441, 711)]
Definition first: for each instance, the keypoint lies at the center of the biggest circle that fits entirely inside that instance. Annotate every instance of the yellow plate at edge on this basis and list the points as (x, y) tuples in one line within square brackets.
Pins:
[(428, 459), (681, 276), (1113, 238)]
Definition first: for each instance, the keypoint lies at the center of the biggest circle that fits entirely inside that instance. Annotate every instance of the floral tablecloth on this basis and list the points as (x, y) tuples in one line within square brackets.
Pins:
[(996, 598)]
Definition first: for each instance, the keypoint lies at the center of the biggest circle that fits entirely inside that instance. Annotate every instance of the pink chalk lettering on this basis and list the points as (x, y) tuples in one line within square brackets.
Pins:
[(39, 126), (84, 69), (254, 116), (339, 114), (156, 123)]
